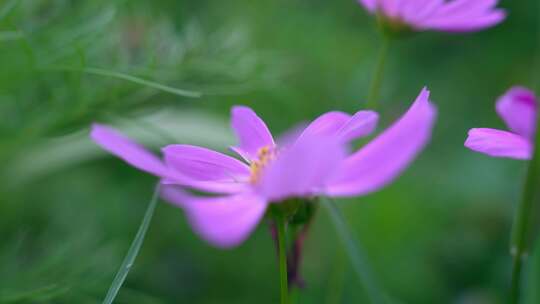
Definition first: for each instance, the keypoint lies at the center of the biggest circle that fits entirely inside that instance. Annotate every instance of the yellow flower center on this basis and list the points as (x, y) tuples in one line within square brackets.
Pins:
[(265, 155)]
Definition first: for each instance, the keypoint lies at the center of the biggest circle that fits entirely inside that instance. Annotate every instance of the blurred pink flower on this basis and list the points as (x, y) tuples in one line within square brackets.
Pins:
[(309, 163), (438, 15), (518, 110)]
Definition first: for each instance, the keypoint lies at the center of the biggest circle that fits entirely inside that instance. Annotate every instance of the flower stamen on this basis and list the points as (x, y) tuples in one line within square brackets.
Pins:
[(265, 155)]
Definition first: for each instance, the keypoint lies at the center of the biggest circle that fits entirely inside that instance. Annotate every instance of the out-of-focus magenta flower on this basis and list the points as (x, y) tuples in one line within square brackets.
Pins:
[(310, 163), (518, 109), (438, 15)]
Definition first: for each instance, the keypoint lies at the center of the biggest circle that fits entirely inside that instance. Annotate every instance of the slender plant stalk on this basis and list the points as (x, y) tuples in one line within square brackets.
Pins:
[(133, 250), (523, 220), (517, 262), (535, 281), (378, 74), (355, 253), (284, 285), (524, 213)]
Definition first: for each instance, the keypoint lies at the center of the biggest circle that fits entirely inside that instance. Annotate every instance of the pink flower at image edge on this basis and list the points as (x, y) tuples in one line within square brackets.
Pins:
[(446, 16), (314, 162), (517, 108)]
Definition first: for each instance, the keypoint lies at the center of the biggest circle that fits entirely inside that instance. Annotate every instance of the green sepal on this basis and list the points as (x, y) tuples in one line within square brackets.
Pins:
[(296, 211)]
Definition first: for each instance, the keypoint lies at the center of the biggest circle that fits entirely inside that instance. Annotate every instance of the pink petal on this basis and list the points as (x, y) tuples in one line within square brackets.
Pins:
[(361, 124), (463, 16), (251, 131), (207, 170), (499, 143), (224, 221), (518, 110), (327, 124), (370, 5), (390, 7), (385, 157), (290, 136), (465, 23), (342, 125), (134, 154), (413, 12), (465, 7), (302, 169)]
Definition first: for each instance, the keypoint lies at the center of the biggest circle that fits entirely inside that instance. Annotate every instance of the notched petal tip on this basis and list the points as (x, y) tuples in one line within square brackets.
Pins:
[(424, 95), (389, 154)]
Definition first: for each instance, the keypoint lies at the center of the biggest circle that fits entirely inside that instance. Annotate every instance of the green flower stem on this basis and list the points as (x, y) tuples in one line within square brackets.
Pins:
[(280, 225), (133, 250), (378, 74), (523, 220)]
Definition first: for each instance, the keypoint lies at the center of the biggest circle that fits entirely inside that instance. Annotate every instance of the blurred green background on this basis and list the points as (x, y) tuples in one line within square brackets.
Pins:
[(68, 211)]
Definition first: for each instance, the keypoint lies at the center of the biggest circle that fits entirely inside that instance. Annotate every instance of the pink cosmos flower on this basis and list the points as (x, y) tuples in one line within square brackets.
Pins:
[(438, 15), (518, 110), (312, 163)]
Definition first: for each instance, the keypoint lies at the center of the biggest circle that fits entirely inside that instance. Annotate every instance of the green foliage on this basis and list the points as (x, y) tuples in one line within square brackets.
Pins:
[(68, 214)]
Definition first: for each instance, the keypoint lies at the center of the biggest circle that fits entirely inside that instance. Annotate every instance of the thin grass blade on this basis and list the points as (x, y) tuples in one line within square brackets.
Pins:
[(355, 253), (133, 249), (130, 78)]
